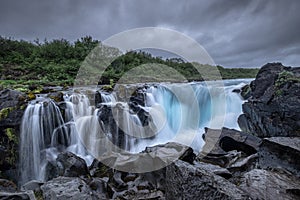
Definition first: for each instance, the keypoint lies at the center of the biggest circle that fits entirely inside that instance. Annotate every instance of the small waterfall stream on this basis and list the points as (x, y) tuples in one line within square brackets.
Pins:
[(171, 112)]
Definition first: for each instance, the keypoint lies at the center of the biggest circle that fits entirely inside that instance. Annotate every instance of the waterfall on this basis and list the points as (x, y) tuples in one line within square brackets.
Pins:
[(170, 112), (40, 119)]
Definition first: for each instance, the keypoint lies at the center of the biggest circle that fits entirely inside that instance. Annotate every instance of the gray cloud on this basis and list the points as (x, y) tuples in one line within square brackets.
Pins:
[(236, 33)]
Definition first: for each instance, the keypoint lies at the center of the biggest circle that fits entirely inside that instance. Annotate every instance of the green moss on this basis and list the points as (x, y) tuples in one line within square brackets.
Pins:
[(31, 96), (5, 112), (11, 134), (278, 93), (38, 195)]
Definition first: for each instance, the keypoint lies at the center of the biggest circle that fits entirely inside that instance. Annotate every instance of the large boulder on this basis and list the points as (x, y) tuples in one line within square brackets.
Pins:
[(66, 188), (185, 181), (151, 159), (28, 195), (225, 146), (274, 107), (280, 152), (70, 165), (7, 186), (262, 184)]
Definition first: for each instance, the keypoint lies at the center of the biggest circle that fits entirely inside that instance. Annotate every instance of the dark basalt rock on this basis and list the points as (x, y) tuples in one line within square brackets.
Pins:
[(66, 188), (274, 107), (246, 92), (223, 146), (70, 165), (187, 155), (280, 152), (11, 112), (185, 181), (7, 186), (28, 195), (262, 184), (12, 106)]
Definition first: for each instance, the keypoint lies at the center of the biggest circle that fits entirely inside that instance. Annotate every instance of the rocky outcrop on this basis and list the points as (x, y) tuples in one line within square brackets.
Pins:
[(273, 108)]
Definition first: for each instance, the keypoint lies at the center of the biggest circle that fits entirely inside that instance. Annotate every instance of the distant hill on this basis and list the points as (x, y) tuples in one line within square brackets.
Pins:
[(57, 62)]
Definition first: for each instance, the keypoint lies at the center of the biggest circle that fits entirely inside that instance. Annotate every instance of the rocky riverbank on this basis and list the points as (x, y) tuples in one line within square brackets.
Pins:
[(259, 162)]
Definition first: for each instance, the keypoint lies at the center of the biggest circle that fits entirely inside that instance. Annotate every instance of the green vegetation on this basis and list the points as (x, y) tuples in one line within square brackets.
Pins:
[(5, 112), (283, 78), (10, 133), (26, 65)]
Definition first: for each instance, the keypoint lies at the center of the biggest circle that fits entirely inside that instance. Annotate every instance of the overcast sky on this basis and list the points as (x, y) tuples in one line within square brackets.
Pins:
[(236, 33)]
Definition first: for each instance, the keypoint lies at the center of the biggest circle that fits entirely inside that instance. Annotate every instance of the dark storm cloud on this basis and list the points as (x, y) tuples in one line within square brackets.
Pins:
[(236, 33)]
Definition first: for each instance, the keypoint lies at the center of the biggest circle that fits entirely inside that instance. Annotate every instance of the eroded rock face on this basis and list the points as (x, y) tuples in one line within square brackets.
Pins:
[(280, 152), (66, 188), (185, 181), (262, 184), (274, 108)]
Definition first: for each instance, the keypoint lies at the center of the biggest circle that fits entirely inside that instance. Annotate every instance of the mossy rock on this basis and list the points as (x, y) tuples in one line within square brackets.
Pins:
[(5, 112), (56, 96), (11, 135), (31, 96)]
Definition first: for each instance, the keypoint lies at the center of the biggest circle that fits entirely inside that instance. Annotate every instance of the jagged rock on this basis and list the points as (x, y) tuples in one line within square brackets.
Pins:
[(244, 164), (7, 186), (274, 108), (262, 184), (99, 188), (185, 181), (220, 171), (149, 185), (71, 165), (280, 152), (224, 147), (66, 188), (224, 140), (187, 155), (28, 195)]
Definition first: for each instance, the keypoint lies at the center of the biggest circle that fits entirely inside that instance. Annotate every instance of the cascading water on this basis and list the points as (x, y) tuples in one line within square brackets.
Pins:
[(40, 120), (178, 112)]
